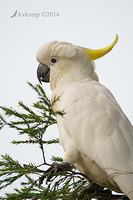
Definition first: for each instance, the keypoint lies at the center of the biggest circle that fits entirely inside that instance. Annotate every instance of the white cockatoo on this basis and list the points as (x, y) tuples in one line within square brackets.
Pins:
[(96, 135)]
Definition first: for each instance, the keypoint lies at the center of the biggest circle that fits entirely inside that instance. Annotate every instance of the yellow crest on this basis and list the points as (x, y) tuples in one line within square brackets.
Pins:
[(97, 53)]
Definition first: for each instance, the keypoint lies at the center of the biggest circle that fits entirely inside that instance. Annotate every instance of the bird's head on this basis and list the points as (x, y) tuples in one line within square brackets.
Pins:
[(60, 59)]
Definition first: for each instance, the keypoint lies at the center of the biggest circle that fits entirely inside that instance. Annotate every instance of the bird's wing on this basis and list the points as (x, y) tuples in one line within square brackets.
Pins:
[(100, 129)]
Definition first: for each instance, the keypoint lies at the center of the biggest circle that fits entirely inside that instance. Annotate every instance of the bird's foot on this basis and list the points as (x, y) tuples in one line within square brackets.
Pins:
[(53, 170)]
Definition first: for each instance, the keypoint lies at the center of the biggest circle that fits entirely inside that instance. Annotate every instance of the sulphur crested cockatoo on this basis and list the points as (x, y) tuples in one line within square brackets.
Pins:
[(96, 135)]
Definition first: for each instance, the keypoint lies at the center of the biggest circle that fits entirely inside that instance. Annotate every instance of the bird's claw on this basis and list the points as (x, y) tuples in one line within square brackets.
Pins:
[(53, 170)]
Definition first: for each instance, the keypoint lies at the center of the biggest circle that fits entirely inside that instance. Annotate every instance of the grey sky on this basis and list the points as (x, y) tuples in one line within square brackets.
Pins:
[(90, 23)]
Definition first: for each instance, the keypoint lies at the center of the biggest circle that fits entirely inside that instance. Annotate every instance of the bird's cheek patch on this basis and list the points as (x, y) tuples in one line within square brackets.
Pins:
[(69, 52)]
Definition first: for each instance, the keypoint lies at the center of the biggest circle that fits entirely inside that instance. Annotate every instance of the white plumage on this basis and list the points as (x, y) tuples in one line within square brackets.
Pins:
[(96, 135)]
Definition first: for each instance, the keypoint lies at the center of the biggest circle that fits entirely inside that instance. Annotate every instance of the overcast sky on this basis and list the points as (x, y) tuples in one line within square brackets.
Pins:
[(26, 25)]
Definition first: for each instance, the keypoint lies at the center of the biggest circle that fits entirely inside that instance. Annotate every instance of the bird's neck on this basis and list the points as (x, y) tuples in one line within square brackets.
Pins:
[(64, 78)]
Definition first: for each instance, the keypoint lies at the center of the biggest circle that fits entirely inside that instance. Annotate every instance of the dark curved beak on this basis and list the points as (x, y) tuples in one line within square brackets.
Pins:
[(43, 73)]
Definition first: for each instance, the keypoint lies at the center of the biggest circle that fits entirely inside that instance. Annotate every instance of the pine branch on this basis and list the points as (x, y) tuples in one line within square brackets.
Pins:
[(52, 141), (11, 170)]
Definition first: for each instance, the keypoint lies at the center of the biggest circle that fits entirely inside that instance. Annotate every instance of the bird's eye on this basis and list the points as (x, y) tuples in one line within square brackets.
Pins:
[(53, 60)]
